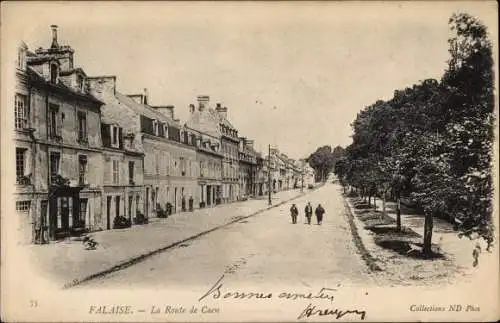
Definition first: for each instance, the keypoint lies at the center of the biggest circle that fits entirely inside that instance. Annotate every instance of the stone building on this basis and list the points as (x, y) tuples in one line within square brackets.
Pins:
[(170, 168), (230, 149), (247, 167), (58, 146), (123, 190), (203, 126)]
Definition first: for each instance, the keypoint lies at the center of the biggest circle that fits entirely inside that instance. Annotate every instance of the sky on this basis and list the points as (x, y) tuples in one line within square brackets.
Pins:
[(293, 75)]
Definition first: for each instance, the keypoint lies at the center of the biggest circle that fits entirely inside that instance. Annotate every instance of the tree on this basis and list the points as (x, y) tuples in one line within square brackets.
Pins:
[(469, 85), (323, 160)]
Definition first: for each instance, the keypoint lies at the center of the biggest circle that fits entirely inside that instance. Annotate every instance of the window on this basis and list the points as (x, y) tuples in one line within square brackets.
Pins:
[(155, 127), (23, 206), (21, 111), (82, 127), (53, 73), (183, 166), (165, 131), (82, 170), (20, 164), (115, 135), (54, 165), (131, 172), (53, 121), (116, 172)]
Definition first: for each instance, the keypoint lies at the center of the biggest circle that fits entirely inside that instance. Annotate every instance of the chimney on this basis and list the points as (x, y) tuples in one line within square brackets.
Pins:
[(222, 111), (102, 85), (191, 108), (203, 101), (249, 143), (166, 110), (54, 37), (145, 96)]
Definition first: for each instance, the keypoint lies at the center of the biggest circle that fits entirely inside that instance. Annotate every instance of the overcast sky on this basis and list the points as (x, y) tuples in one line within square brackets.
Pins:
[(294, 74)]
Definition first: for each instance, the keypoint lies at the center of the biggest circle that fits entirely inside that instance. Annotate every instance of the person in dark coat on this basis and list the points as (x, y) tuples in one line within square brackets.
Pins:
[(308, 212), (319, 213), (183, 204), (191, 202), (294, 212)]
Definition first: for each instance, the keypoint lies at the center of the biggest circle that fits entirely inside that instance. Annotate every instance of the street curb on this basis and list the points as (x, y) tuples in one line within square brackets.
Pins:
[(370, 261), (136, 259)]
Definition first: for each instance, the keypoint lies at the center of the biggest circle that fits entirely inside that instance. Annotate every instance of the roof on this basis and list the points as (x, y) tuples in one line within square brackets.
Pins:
[(73, 70), (37, 78), (145, 110)]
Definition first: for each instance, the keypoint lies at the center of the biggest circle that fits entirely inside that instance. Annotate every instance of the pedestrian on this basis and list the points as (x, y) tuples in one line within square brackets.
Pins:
[(308, 212), (294, 212), (183, 203), (319, 213), (191, 203)]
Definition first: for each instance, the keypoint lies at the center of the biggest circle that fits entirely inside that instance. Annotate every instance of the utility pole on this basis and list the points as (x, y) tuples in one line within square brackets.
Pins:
[(269, 176)]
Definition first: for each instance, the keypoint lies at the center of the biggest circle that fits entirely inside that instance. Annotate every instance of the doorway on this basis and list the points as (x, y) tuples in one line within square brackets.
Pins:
[(108, 212), (175, 199)]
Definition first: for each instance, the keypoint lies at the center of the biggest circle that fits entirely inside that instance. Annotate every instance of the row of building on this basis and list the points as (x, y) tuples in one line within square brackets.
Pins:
[(87, 154)]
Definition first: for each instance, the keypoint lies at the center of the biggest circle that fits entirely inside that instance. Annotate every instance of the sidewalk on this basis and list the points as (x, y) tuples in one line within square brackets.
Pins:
[(67, 261), (443, 235), (386, 249)]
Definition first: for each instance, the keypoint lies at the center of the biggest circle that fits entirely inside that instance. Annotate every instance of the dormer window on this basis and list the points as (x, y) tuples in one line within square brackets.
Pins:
[(155, 127), (116, 137), (54, 73), (165, 130)]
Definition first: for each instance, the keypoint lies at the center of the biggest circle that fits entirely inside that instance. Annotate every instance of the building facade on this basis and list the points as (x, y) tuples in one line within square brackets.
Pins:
[(58, 146), (203, 126), (247, 168), (230, 150), (123, 190)]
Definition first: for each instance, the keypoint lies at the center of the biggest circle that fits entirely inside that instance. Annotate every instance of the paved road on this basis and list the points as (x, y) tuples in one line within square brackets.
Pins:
[(266, 248)]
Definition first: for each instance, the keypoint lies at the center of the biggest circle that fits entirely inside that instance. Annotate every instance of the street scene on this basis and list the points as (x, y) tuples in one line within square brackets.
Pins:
[(188, 146), (293, 254)]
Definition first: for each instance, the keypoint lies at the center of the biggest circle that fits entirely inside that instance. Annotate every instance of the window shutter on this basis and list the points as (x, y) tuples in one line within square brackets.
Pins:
[(106, 135), (120, 138)]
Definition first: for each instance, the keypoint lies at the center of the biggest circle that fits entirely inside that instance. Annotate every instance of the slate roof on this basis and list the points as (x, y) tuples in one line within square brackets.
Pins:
[(34, 76), (145, 110)]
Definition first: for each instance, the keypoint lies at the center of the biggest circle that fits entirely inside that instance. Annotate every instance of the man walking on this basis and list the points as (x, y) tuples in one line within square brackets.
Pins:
[(309, 212), (294, 213), (319, 214)]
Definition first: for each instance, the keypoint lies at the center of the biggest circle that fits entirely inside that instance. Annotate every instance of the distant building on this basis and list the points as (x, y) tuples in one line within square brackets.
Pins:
[(203, 125), (247, 167), (230, 149)]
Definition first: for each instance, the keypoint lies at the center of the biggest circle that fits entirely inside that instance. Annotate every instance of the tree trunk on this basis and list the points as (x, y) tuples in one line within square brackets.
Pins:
[(369, 200), (428, 224), (398, 215), (375, 201), (383, 204)]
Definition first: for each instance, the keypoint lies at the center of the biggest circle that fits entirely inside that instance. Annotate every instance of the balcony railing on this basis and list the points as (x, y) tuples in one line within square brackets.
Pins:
[(24, 180)]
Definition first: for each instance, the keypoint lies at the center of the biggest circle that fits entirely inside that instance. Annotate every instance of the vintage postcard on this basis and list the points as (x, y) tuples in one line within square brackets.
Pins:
[(249, 161)]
